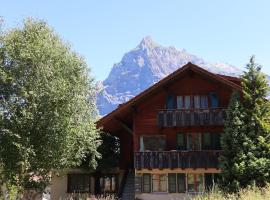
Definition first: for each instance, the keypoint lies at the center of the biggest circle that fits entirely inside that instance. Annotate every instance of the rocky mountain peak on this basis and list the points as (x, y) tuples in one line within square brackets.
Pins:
[(145, 65), (147, 43)]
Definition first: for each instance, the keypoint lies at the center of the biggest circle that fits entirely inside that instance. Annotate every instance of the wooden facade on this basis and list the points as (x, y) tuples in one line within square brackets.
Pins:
[(173, 125)]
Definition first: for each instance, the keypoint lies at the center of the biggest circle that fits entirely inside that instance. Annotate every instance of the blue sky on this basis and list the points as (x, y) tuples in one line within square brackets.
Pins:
[(102, 31)]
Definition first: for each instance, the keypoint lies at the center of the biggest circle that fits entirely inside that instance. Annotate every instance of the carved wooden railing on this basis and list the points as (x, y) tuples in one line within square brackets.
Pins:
[(191, 117), (176, 159)]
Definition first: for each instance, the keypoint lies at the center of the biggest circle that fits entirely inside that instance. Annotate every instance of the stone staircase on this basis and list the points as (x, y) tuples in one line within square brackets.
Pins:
[(129, 188)]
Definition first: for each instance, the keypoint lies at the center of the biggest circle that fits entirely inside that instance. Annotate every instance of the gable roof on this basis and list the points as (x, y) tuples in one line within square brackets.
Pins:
[(129, 105)]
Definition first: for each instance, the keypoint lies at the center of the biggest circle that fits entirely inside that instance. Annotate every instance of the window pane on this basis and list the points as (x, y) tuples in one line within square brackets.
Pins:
[(199, 183), (181, 183), (208, 181), (191, 182), (172, 182), (196, 101), (146, 183), (79, 183), (155, 181), (170, 102), (138, 183), (206, 141), (181, 141), (180, 103), (204, 101), (163, 182), (189, 142), (197, 141), (215, 141), (187, 102), (154, 143), (214, 99)]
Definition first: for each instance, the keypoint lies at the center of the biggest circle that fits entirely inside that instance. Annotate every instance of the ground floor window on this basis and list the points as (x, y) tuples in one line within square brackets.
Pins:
[(159, 182), (79, 183), (174, 182), (194, 183), (108, 183)]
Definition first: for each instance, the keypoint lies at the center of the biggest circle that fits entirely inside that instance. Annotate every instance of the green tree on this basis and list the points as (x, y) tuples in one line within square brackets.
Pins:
[(47, 106), (246, 138), (231, 142), (256, 125)]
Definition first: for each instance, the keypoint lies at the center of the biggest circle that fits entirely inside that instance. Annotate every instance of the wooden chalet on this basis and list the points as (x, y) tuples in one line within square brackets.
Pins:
[(170, 135)]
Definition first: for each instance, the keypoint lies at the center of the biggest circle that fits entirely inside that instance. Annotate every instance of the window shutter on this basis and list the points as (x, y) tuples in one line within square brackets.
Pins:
[(172, 183)]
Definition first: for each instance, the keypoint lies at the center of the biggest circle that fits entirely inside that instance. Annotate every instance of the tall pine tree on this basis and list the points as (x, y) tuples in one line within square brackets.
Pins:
[(246, 138)]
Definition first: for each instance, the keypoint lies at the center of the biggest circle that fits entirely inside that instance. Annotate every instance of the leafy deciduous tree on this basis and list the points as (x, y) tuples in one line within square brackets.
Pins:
[(47, 106)]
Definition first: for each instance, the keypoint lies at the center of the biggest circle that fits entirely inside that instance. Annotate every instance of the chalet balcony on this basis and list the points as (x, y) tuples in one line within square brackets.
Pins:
[(176, 159), (191, 117)]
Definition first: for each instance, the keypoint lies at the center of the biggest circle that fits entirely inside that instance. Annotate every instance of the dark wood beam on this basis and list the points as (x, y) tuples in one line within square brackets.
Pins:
[(124, 125)]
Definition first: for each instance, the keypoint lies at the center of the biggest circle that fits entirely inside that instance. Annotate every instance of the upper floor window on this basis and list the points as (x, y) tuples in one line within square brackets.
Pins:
[(153, 143), (192, 101), (214, 99), (198, 141)]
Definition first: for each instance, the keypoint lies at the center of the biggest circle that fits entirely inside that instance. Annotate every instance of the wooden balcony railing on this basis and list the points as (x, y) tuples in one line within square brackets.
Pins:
[(176, 159), (191, 117)]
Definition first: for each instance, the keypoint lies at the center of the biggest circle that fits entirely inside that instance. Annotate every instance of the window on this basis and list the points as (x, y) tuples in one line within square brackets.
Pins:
[(197, 103), (170, 102), (211, 141), (215, 141), (180, 103), (172, 183), (147, 183), (79, 183), (108, 184), (153, 143), (181, 182), (206, 141), (138, 183), (214, 99), (210, 180), (187, 102), (194, 141), (159, 182), (195, 183), (191, 182), (204, 101), (181, 141), (199, 182)]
